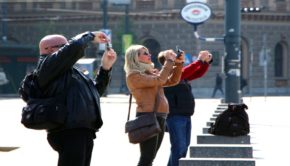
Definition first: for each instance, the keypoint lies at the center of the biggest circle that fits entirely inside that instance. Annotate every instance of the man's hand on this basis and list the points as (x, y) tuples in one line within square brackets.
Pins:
[(100, 37), (205, 56), (108, 59), (169, 55)]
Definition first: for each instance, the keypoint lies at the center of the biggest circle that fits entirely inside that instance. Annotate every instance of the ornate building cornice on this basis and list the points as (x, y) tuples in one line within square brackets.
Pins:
[(138, 16)]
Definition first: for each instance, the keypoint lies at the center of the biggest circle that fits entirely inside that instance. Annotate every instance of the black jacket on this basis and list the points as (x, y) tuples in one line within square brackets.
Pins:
[(56, 74), (180, 99)]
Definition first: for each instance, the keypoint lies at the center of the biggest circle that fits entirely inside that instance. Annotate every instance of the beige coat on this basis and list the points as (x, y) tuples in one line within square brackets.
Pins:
[(144, 86)]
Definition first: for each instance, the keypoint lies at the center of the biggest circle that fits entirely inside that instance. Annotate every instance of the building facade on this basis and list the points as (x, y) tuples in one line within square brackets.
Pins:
[(157, 24)]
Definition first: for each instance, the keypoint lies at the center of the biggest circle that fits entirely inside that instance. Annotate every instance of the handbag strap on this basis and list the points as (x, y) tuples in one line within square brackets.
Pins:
[(156, 104), (129, 110)]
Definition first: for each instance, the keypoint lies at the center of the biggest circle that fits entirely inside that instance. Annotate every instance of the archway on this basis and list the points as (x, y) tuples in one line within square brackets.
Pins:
[(281, 60)]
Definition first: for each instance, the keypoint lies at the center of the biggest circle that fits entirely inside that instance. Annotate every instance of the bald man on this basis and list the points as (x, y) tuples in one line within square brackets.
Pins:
[(56, 73)]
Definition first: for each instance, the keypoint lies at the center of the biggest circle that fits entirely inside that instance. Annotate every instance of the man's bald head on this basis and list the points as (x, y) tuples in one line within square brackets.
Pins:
[(51, 43)]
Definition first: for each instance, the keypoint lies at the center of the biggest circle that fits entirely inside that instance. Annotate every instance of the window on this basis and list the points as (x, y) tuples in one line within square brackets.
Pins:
[(280, 60), (145, 5), (85, 5), (281, 5)]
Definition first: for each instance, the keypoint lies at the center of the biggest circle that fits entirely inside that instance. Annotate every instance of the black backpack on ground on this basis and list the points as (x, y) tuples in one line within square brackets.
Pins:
[(234, 121)]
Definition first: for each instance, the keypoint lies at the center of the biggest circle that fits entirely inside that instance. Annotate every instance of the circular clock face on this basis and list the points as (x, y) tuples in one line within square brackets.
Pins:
[(195, 13)]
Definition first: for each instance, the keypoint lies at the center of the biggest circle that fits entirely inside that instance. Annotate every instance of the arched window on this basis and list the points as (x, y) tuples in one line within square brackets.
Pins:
[(280, 60)]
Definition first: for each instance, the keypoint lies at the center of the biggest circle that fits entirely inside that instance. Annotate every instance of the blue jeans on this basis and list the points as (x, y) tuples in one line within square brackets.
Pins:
[(179, 128)]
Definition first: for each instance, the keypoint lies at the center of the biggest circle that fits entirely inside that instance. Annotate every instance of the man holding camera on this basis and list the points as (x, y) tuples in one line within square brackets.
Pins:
[(181, 107), (56, 73)]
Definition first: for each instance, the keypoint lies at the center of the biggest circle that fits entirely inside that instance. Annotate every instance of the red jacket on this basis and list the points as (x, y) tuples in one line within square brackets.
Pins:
[(194, 70), (180, 97)]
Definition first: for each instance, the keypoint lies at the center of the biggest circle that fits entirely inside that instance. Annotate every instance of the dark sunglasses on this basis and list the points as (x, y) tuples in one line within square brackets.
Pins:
[(144, 53), (56, 46)]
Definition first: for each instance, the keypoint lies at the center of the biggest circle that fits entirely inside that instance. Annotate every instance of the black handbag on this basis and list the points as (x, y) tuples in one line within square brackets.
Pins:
[(142, 127)]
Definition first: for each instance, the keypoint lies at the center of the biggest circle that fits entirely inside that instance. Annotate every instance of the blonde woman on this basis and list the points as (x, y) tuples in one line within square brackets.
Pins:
[(144, 83)]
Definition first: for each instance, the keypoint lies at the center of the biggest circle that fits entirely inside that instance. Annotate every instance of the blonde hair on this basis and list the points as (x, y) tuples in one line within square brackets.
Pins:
[(132, 62)]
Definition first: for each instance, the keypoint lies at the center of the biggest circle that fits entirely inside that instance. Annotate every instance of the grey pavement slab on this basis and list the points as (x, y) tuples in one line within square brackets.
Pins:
[(215, 115), (216, 162), (209, 123), (269, 120), (221, 151), (205, 130), (218, 111), (216, 139)]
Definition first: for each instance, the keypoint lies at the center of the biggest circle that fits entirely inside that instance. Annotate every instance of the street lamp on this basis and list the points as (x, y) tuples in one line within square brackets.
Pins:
[(196, 13), (232, 52)]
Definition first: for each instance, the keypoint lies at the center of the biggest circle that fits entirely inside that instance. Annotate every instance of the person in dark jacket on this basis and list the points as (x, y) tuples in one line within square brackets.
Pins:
[(55, 73), (218, 85), (181, 106)]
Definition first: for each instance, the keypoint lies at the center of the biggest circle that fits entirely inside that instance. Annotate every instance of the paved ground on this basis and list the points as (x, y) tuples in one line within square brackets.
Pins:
[(269, 133)]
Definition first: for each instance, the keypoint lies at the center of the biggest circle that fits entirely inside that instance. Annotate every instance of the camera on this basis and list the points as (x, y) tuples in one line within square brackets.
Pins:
[(178, 51), (108, 46)]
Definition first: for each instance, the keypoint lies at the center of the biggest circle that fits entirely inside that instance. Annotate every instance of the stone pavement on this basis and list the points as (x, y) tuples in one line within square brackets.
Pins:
[(268, 118)]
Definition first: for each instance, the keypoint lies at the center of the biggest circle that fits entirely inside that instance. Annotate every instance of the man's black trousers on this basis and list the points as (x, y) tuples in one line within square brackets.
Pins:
[(74, 146)]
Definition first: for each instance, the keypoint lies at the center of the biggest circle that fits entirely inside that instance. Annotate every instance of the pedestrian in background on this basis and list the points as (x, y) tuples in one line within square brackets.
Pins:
[(144, 82), (243, 83), (181, 106), (55, 73), (218, 85)]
